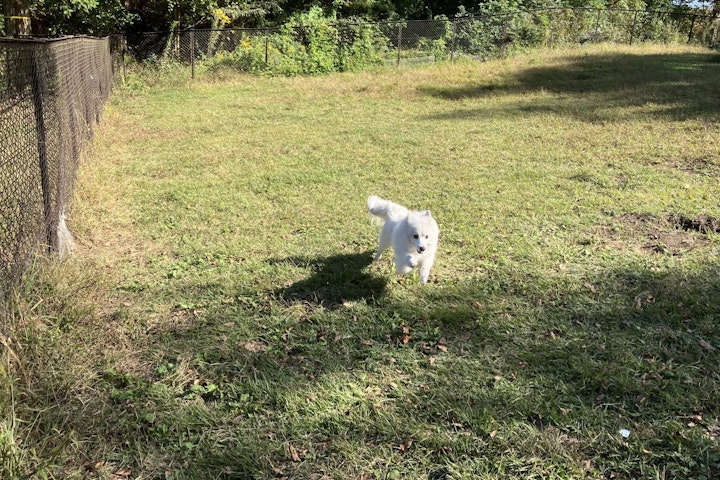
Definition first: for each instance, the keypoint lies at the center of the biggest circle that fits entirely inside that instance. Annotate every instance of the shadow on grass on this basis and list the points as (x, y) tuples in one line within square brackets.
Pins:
[(511, 373), (590, 87), (335, 279)]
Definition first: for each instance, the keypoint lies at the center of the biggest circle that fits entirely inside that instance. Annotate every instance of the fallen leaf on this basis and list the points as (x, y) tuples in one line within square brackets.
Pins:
[(706, 345), (254, 347), (442, 348), (368, 343), (644, 298), (294, 455), (406, 445)]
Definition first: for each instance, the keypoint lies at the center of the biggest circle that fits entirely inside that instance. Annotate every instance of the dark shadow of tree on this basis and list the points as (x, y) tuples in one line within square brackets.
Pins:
[(590, 87), (335, 279), (625, 344)]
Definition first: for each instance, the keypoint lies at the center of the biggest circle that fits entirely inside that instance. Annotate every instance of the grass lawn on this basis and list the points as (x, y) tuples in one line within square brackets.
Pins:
[(222, 317)]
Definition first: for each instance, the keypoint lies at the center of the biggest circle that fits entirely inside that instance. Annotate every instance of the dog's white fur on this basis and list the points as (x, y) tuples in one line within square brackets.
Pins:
[(413, 235)]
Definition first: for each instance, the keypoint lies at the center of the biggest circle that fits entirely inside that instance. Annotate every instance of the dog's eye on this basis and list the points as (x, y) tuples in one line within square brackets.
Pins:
[(416, 236)]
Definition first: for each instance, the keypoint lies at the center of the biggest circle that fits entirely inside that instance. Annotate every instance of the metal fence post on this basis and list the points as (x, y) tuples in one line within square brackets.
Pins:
[(123, 53), (632, 29), (399, 45), (267, 47), (192, 54), (504, 41), (454, 37), (38, 90)]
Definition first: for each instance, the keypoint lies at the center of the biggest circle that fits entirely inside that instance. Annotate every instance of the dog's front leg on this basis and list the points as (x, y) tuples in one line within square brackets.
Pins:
[(425, 269), (403, 265)]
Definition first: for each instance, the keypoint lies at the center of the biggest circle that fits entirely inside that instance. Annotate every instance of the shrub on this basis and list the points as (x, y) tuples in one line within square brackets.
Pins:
[(360, 45), (248, 56), (306, 44)]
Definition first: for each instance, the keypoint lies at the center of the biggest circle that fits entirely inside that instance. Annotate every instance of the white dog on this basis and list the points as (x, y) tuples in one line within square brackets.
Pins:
[(413, 235)]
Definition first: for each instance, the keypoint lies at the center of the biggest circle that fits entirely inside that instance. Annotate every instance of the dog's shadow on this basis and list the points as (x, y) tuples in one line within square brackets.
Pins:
[(335, 280)]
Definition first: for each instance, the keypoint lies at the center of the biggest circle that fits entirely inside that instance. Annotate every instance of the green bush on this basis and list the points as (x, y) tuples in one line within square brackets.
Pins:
[(360, 45), (309, 43), (306, 44), (249, 56)]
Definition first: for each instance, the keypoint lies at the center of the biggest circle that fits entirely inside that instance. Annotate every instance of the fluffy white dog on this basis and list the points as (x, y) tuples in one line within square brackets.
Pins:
[(413, 235)]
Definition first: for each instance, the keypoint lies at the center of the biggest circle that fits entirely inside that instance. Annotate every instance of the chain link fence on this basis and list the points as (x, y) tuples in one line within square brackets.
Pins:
[(479, 37), (51, 96)]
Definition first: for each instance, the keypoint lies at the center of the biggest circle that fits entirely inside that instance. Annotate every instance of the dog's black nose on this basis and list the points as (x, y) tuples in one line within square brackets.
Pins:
[(421, 249)]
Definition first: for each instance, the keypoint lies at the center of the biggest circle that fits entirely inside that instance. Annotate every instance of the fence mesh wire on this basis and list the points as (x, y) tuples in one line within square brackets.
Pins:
[(51, 95)]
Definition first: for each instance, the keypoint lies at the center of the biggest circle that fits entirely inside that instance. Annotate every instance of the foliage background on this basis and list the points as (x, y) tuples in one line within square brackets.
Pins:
[(101, 17)]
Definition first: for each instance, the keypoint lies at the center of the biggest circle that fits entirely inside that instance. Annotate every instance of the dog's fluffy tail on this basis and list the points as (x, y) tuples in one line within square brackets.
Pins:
[(385, 209)]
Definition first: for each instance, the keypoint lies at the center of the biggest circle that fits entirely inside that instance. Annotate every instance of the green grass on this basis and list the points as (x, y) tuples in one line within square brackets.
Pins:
[(222, 317)]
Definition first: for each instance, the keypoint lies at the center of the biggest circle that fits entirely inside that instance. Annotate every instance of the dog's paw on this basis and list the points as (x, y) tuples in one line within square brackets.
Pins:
[(403, 268)]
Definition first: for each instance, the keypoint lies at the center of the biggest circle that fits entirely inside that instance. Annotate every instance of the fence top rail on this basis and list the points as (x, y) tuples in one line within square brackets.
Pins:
[(698, 14), (31, 40)]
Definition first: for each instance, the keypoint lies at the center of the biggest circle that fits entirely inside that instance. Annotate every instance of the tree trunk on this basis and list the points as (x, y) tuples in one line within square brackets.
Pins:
[(17, 18)]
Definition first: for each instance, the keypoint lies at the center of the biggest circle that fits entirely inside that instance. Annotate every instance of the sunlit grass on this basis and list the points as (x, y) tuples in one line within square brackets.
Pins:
[(222, 317)]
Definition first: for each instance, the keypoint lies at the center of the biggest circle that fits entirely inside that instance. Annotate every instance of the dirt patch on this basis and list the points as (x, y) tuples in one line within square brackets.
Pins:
[(673, 234), (701, 224), (698, 166)]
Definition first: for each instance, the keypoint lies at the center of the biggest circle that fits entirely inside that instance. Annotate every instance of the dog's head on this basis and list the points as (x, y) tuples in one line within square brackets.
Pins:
[(422, 230)]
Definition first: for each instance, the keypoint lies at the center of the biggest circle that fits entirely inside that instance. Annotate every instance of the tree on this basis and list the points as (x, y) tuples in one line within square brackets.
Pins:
[(69, 17), (17, 18)]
